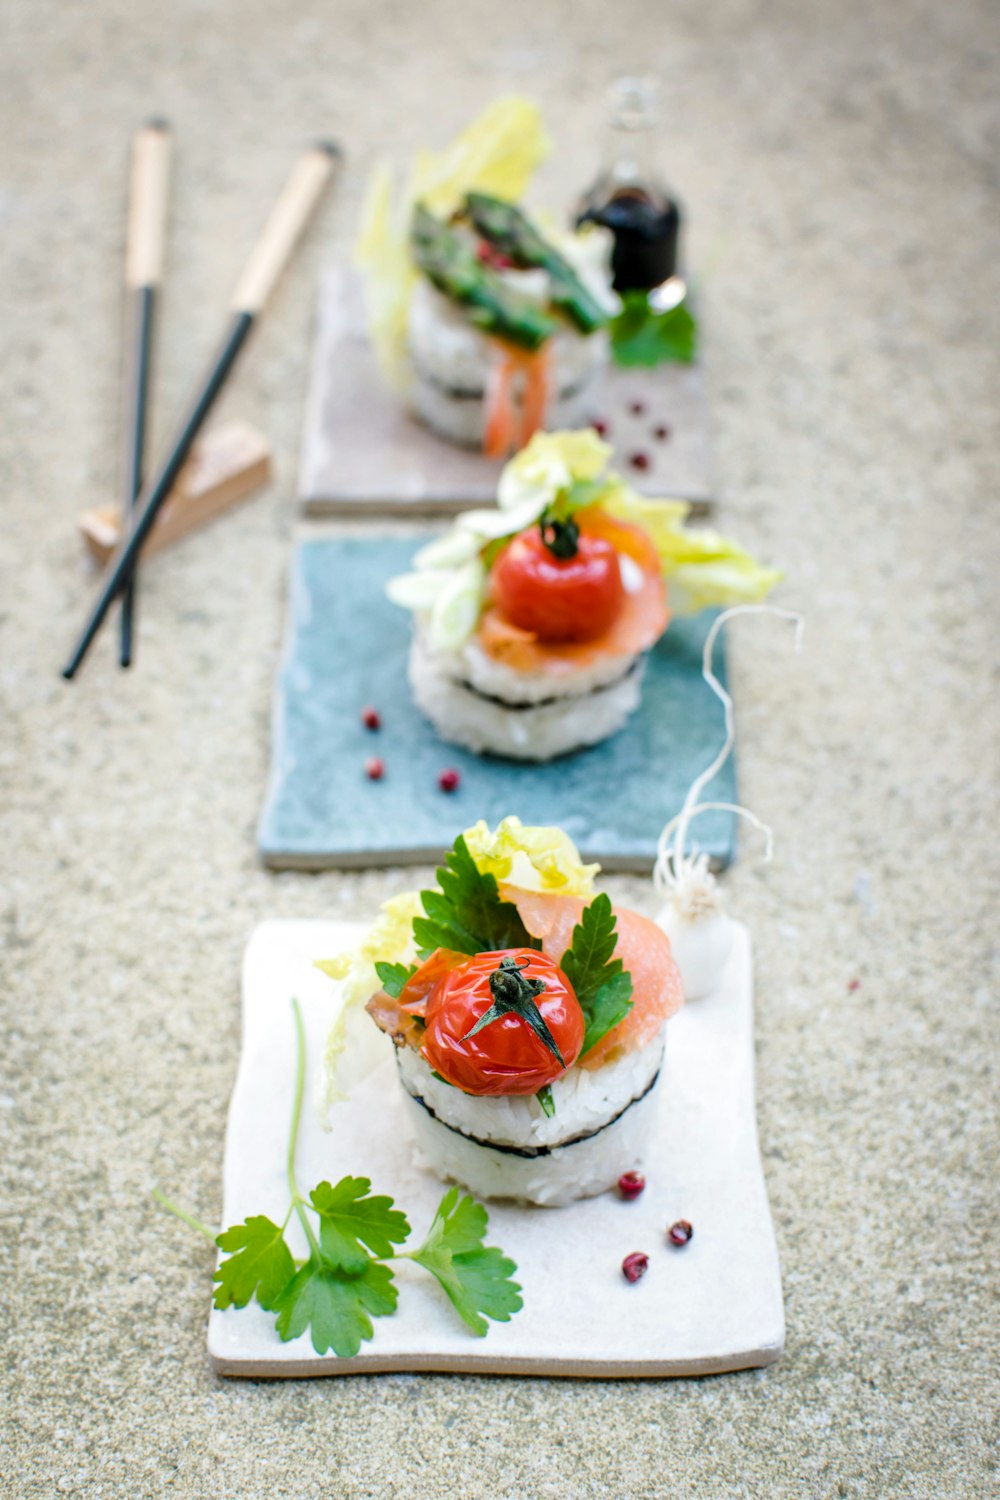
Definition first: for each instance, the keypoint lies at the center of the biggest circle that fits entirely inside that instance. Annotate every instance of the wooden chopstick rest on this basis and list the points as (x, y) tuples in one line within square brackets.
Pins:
[(230, 463)]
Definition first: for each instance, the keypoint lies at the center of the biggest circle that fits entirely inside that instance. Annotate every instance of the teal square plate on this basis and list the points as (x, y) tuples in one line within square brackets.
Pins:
[(348, 648)]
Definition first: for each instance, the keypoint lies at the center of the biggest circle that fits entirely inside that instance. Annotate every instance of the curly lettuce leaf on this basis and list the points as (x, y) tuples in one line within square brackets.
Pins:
[(497, 154), (703, 569), (549, 465), (388, 940), (534, 859), (450, 600)]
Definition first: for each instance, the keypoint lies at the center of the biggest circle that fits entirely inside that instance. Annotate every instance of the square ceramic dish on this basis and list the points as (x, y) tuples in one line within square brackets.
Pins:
[(714, 1305), (348, 646)]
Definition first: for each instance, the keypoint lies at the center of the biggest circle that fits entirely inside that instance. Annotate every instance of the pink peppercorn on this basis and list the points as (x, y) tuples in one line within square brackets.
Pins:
[(630, 1185), (449, 780), (374, 768), (371, 718), (634, 1265), (600, 427), (855, 984), (639, 460), (678, 1234), (637, 408)]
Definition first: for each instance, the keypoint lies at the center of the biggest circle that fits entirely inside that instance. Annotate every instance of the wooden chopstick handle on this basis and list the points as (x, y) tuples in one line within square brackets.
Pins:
[(147, 211), (288, 218)]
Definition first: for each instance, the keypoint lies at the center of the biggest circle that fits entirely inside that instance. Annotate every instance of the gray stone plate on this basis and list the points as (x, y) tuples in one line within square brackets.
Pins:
[(363, 454), (714, 1305), (348, 647)]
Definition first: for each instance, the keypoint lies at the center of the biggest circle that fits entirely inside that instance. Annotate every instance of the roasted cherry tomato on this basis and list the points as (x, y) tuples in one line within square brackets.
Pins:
[(559, 598), (506, 1054)]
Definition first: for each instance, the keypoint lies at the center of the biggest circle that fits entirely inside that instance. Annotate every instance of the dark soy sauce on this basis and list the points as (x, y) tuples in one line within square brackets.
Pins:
[(645, 251), (628, 199)]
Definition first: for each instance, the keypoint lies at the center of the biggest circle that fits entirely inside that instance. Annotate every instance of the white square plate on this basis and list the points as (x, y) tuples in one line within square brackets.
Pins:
[(714, 1305)]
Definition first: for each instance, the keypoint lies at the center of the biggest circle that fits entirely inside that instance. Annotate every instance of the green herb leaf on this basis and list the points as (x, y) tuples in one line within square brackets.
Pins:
[(610, 1005), (394, 977), (349, 1217), (259, 1264), (581, 493), (642, 336), (602, 987), (340, 1287), (545, 1099), (475, 1277), (466, 915), (333, 1306)]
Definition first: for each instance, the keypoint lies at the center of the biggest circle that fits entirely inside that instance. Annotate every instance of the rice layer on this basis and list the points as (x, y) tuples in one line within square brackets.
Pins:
[(489, 708), (452, 359), (509, 1148)]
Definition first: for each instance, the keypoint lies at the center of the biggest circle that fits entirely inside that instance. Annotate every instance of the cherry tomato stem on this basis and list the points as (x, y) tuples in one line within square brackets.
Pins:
[(507, 1054), (574, 598)]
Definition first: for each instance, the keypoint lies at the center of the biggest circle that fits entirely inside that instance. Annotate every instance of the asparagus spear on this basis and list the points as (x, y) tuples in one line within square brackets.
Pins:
[(447, 258), (512, 232)]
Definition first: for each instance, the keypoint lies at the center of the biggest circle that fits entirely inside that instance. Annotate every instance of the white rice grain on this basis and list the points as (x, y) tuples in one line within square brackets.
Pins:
[(602, 1119)]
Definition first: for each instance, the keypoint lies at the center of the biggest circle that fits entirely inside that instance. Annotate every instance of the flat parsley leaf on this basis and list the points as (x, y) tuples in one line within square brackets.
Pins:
[(259, 1264), (466, 915), (348, 1218), (602, 987), (475, 1277), (394, 977), (333, 1306), (642, 336)]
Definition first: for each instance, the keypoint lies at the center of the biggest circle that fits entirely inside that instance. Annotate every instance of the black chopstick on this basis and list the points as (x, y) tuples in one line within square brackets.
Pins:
[(143, 273), (287, 220)]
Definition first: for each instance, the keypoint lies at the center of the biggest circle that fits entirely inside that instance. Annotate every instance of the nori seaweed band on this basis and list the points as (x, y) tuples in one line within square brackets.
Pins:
[(532, 1152)]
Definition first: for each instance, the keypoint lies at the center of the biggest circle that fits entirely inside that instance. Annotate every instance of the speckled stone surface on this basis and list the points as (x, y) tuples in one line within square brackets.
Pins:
[(839, 163), (349, 646)]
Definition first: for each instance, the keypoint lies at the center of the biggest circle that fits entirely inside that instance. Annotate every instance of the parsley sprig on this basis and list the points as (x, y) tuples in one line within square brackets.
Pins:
[(476, 1277), (466, 915), (351, 1233), (602, 986)]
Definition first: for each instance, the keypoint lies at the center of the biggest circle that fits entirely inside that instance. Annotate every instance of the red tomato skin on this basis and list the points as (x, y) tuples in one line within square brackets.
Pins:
[(559, 599), (506, 1057)]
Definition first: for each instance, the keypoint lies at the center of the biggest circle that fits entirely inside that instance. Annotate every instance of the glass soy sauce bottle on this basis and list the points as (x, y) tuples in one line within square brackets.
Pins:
[(629, 199)]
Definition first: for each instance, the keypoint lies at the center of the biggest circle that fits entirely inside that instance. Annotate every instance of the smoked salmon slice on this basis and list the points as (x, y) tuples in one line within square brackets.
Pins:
[(642, 620), (498, 434), (402, 1018), (530, 371)]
